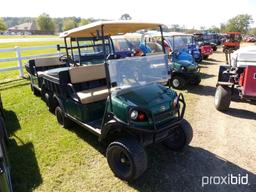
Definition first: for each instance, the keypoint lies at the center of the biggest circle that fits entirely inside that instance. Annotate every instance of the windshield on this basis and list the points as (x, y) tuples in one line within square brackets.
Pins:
[(122, 44), (178, 42), (135, 71)]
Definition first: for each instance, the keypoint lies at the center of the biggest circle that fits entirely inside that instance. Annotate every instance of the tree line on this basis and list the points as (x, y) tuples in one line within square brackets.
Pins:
[(46, 24)]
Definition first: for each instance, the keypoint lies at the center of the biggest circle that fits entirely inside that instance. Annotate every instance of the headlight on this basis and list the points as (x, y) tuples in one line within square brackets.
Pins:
[(183, 68), (175, 102), (138, 115), (134, 114)]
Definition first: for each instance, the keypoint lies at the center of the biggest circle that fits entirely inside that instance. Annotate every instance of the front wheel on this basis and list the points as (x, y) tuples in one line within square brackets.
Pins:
[(222, 98), (127, 158), (180, 137), (177, 82), (35, 91)]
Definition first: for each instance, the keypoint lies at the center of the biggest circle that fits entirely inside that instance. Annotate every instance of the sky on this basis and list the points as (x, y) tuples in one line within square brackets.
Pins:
[(187, 13)]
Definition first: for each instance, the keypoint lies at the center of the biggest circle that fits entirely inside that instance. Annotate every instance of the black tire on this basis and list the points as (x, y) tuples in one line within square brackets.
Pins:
[(222, 98), (196, 80), (199, 60), (205, 56), (3, 131), (180, 136), (35, 91), (48, 99), (62, 120), (214, 48), (127, 158), (177, 82)]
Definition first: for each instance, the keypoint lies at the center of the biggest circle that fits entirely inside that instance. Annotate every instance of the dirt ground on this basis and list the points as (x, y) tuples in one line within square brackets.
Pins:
[(223, 143)]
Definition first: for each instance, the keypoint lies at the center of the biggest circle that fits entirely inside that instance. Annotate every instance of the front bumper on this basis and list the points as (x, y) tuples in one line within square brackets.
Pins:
[(188, 76), (160, 132)]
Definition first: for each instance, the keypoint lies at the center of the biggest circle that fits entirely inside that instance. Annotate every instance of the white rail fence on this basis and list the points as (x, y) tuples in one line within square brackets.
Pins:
[(19, 58)]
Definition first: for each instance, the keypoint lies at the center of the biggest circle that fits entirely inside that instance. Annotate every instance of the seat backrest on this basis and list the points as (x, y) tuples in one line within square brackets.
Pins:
[(48, 62), (87, 73)]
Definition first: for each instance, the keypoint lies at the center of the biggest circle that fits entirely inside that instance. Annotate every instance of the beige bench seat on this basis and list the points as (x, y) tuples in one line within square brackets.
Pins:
[(93, 95), (40, 73), (48, 62)]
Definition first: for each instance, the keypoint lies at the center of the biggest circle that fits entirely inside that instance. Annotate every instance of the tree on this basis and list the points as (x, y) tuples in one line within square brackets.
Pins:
[(239, 23), (45, 23), (253, 31), (222, 27), (83, 22), (175, 28), (69, 23), (125, 16), (214, 29), (2, 25)]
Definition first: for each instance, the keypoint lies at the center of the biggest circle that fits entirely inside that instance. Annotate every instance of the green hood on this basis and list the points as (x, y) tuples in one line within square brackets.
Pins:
[(154, 97), (190, 67)]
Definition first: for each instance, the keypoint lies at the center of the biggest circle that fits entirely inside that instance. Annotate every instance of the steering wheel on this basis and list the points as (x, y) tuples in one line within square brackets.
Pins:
[(67, 59)]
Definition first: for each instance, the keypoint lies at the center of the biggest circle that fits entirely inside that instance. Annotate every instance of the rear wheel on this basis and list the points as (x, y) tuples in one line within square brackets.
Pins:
[(127, 158), (35, 91), (222, 98), (205, 56), (62, 120), (177, 82), (196, 80), (48, 98), (199, 59), (180, 137)]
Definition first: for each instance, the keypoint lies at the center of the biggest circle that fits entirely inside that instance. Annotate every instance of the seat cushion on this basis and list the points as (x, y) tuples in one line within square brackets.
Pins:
[(93, 95), (40, 73), (48, 62)]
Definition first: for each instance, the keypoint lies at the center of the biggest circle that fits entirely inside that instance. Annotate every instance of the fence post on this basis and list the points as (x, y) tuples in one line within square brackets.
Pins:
[(18, 55)]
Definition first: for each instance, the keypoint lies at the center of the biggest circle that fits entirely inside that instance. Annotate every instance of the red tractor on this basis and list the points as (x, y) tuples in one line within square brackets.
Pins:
[(232, 41), (238, 79)]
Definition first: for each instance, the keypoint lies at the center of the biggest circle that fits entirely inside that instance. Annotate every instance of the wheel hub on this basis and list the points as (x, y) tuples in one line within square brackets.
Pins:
[(176, 83)]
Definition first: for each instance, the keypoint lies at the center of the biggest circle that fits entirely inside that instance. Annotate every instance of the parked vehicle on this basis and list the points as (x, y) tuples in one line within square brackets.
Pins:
[(204, 46), (249, 39), (5, 177), (184, 42), (232, 41), (36, 68), (121, 101), (184, 69), (238, 79)]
